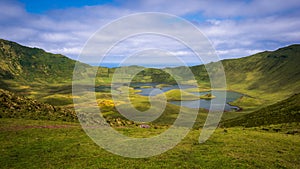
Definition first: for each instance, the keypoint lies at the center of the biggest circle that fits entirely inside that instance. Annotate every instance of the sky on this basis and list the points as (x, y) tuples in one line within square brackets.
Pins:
[(235, 28)]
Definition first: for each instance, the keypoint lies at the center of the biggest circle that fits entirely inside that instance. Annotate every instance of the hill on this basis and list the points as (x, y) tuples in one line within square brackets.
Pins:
[(270, 75), (285, 111), (14, 106), (266, 74), (33, 71), (29, 64)]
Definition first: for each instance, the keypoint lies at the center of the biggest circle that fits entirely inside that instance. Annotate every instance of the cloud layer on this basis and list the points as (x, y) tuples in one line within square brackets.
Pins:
[(235, 28)]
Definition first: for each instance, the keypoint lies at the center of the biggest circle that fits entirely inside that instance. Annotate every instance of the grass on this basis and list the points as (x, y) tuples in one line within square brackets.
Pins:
[(58, 99), (162, 85), (145, 87), (70, 147), (39, 144), (177, 94), (265, 78), (207, 96), (248, 103), (15, 106), (285, 111)]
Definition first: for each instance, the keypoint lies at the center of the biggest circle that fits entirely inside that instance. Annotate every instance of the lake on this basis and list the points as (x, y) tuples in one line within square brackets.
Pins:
[(201, 103)]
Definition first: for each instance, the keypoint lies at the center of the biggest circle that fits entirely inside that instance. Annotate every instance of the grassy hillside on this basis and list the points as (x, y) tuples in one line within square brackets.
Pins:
[(265, 71), (14, 106), (285, 111), (269, 75), (37, 74), (33, 64)]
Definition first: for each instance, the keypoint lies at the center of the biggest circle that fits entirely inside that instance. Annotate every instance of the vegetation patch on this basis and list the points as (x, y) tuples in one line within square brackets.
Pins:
[(177, 95), (207, 96), (247, 103), (58, 100), (145, 87), (162, 85), (285, 111), (14, 106)]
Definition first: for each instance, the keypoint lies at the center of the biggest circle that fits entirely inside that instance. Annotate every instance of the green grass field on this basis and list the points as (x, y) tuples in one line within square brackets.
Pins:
[(45, 144)]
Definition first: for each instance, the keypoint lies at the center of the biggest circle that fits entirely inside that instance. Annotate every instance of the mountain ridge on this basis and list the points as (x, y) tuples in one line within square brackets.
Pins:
[(26, 63), (271, 75)]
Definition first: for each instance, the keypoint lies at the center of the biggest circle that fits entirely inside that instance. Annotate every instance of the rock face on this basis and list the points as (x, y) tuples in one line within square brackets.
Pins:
[(14, 106)]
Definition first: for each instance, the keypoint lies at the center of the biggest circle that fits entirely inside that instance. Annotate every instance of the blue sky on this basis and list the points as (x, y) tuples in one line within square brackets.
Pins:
[(235, 28), (43, 6)]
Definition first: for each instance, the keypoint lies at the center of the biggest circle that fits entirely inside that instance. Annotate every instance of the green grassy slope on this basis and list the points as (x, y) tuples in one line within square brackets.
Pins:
[(29, 64), (14, 106), (274, 73), (34, 72), (270, 75), (285, 111), (44, 144)]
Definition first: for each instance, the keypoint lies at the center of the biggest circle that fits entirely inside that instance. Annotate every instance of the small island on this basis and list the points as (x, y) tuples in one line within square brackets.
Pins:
[(162, 85), (207, 96), (146, 87), (179, 95)]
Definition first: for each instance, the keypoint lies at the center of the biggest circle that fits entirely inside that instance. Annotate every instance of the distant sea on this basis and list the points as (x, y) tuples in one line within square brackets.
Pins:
[(112, 65)]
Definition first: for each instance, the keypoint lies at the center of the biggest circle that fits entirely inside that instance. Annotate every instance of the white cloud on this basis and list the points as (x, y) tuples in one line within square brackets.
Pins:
[(236, 28), (258, 34), (216, 8), (68, 51)]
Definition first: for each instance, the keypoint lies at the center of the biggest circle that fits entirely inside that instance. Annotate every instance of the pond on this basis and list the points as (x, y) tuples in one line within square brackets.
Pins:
[(201, 103)]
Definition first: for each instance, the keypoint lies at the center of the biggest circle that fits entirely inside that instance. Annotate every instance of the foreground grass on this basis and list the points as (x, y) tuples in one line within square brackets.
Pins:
[(38, 144)]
